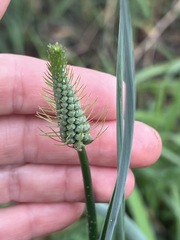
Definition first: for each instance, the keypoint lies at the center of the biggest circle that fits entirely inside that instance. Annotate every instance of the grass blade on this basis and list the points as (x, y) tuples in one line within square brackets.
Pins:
[(125, 71), (135, 232)]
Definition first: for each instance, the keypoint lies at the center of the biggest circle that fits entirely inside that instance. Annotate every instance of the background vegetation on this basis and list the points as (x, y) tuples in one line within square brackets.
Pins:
[(88, 28)]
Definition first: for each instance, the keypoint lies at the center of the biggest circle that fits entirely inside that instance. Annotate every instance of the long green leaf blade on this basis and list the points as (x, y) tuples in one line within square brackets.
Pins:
[(125, 71)]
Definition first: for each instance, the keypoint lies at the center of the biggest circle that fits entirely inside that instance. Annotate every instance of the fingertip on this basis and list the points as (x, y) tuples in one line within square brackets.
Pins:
[(147, 146)]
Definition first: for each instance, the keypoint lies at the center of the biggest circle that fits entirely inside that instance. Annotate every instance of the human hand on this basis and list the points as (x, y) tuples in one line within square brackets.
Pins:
[(45, 180)]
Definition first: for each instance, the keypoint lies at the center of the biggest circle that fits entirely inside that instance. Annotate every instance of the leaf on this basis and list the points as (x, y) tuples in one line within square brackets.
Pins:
[(125, 71)]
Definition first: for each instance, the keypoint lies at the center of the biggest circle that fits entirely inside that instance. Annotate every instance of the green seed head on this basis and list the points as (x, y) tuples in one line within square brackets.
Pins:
[(74, 129)]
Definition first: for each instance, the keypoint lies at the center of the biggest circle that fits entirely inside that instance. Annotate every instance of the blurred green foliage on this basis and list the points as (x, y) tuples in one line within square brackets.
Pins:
[(88, 29)]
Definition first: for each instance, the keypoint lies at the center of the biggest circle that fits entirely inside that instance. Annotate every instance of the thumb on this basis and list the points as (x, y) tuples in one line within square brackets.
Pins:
[(4, 4)]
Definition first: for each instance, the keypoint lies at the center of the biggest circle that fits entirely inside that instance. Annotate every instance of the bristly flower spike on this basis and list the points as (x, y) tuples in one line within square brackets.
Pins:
[(63, 98), (65, 114)]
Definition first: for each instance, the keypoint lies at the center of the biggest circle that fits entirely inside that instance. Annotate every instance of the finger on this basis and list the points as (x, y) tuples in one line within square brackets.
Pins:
[(4, 5), (147, 146), (21, 142), (21, 82), (32, 220), (54, 183)]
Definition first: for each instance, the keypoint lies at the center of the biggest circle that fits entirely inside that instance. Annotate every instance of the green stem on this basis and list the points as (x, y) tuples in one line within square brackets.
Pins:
[(91, 211)]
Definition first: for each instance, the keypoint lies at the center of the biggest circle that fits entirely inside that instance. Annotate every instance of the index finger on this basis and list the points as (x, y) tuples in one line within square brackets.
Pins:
[(21, 82)]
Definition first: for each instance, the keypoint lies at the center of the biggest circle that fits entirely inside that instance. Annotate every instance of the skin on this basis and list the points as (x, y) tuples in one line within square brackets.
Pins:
[(44, 180)]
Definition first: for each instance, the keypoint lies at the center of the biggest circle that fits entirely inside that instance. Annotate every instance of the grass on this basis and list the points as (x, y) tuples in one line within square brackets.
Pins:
[(28, 27)]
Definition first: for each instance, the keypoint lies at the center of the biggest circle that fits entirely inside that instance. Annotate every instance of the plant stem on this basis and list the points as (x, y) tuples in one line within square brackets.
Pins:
[(91, 211)]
